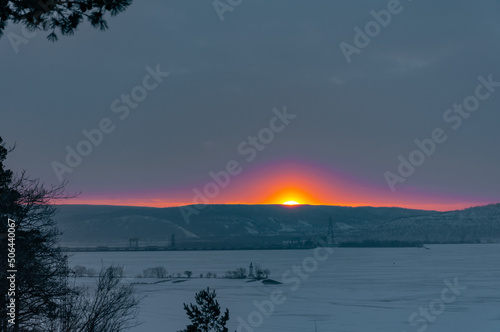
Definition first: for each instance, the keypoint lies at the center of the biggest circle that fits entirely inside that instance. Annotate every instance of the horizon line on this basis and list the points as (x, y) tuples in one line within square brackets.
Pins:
[(275, 204)]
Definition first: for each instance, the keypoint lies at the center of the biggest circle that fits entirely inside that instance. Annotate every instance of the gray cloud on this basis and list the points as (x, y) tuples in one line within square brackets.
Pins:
[(227, 76)]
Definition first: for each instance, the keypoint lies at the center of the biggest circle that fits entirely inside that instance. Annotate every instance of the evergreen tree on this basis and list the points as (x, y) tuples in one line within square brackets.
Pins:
[(206, 316), (40, 280), (62, 15), (44, 301)]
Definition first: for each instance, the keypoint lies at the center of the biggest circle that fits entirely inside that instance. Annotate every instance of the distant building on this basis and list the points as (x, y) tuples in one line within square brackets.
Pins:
[(133, 242)]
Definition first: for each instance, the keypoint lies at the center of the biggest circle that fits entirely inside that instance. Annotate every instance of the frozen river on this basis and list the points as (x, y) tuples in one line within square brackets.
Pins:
[(447, 288)]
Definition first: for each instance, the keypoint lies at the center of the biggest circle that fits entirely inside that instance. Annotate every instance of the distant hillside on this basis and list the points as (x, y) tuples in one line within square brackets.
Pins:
[(474, 225), (258, 225)]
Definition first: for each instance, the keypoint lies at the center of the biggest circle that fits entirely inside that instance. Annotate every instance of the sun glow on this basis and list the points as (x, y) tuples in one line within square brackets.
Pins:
[(291, 203), (290, 184)]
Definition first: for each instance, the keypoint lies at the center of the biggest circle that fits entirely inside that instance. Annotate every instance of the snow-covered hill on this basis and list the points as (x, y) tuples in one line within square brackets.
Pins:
[(265, 225)]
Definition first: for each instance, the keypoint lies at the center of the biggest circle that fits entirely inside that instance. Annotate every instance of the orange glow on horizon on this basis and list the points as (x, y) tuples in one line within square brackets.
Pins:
[(291, 203), (291, 184)]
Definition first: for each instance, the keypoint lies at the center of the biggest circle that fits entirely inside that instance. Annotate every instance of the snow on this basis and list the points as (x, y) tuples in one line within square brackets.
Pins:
[(285, 228), (343, 226), (305, 223), (185, 231), (353, 290), (251, 230)]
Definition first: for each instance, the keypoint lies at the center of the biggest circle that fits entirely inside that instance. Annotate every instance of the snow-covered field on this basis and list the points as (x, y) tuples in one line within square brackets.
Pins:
[(447, 288)]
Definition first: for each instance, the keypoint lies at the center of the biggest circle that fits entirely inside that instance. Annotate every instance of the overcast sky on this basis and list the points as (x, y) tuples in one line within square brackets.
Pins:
[(353, 119)]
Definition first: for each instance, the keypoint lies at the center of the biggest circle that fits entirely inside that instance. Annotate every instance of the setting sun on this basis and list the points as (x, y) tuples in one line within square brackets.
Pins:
[(291, 203)]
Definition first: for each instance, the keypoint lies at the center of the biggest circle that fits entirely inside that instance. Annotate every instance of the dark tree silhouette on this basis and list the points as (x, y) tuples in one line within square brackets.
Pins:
[(41, 266), (44, 300), (206, 316), (61, 16), (111, 306)]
